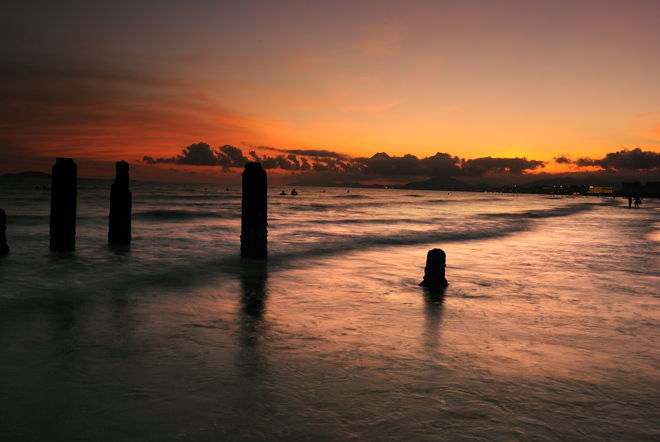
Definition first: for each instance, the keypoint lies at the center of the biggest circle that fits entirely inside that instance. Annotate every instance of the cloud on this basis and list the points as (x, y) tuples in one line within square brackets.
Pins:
[(229, 156), (383, 164), (625, 159), (483, 166), (409, 165), (563, 159), (444, 164), (199, 154), (380, 165), (152, 160), (305, 160), (320, 153)]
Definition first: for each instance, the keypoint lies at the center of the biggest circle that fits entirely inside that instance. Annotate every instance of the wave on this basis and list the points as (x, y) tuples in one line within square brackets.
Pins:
[(367, 221), (332, 206), (542, 213), (183, 215), (340, 243), (352, 197), (63, 282)]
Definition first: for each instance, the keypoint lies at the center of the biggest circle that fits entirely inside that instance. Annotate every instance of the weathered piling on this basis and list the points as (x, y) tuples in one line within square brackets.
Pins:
[(121, 199), (434, 272), (4, 248), (63, 205), (254, 220)]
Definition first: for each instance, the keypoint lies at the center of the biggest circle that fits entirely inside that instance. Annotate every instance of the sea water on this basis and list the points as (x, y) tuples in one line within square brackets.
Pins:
[(549, 328)]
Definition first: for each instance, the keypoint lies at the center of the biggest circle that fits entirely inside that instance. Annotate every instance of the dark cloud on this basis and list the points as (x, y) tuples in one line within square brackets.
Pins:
[(151, 160), (269, 163), (318, 153), (230, 156), (563, 159), (483, 166), (636, 159), (385, 165), (380, 165), (441, 163), (444, 164), (199, 154), (335, 165), (288, 163), (409, 165), (299, 163), (294, 159)]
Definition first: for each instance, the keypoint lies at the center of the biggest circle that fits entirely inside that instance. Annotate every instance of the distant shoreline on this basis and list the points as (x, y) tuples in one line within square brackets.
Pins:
[(448, 184)]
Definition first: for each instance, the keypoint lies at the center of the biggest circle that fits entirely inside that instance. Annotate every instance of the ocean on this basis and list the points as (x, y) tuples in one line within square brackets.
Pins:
[(549, 328)]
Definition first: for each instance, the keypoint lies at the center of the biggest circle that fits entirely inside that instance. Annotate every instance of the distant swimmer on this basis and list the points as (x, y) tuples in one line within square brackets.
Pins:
[(283, 193), (293, 192)]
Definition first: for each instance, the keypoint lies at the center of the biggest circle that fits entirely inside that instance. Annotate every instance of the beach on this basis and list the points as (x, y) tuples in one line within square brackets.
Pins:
[(549, 328)]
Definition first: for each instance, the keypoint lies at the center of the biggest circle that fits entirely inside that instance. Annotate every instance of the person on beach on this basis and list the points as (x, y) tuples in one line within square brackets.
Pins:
[(638, 201), (629, 201)]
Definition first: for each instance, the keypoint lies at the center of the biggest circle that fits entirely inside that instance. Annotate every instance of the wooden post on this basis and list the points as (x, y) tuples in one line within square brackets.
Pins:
[(254, 218), (63, 205), (434, 273), (4, 248), (119, 231)]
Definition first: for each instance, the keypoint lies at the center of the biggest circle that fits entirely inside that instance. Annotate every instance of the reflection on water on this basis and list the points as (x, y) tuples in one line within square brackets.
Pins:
[(253, 274), (433, 304), (254, 400), (547, 331)]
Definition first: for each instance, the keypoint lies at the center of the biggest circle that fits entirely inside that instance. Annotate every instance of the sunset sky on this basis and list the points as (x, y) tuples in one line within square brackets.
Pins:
[(342, 89)]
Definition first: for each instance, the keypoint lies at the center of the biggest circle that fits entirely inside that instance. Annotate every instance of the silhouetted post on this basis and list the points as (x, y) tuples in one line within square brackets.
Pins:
[(63, 205), (4, 248), (254, 220), (119, 231), (434, 272)]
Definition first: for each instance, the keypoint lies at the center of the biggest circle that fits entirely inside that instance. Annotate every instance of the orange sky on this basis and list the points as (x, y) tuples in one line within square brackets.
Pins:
[(106, 81)]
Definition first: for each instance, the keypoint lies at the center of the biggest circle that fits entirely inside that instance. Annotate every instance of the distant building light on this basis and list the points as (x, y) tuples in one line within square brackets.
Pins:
[(599, 190)]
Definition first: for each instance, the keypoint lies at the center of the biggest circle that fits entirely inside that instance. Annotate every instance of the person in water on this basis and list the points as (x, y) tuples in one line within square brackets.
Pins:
[(293, 192), (283, 193)]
